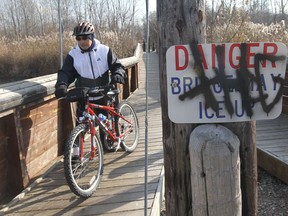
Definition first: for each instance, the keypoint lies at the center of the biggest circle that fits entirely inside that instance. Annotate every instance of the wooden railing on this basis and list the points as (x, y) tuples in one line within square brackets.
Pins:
[(34, 126)]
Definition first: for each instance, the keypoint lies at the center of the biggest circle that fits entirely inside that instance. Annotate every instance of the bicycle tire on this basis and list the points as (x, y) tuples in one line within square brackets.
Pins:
[(129, 140), (83, 177)]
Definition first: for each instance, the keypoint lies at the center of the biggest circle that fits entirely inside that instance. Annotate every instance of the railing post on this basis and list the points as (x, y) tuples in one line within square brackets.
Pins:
[(127, 86)]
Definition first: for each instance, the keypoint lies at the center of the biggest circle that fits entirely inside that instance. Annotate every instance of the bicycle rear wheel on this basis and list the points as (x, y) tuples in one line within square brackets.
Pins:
[(83, 175), (127, 127)]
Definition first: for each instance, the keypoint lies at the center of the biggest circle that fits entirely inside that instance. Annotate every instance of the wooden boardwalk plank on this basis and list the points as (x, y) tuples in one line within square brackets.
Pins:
[(272, 146), (122, 189)]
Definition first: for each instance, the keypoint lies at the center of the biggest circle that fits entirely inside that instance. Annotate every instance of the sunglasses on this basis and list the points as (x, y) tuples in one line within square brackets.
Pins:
[(79, 38)]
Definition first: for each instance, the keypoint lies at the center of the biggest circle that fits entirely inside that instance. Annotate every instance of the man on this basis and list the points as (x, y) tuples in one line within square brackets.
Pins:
[(89, 63)]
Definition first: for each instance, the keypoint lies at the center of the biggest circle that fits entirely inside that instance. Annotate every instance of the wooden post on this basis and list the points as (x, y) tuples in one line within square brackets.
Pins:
[(181, 22), (246, 132), (215, 171)]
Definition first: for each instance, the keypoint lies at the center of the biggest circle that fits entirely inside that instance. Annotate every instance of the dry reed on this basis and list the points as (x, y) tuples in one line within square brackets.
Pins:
[(37, 56)]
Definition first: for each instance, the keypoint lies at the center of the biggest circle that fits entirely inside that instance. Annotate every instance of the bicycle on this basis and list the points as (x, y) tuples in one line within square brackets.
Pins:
[(83, 154)]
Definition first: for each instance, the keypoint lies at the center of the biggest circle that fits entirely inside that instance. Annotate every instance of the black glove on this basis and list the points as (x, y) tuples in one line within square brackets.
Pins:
[(117, 78), (61, 91)]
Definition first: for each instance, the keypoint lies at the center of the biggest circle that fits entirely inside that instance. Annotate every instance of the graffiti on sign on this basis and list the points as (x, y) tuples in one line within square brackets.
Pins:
[(229, 82)]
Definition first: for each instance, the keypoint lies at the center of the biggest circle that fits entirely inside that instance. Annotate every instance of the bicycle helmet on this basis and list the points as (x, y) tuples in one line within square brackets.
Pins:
[(83, 28)]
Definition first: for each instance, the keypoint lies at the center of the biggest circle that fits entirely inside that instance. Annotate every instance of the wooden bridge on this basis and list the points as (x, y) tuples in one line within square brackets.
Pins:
[(122, 188)]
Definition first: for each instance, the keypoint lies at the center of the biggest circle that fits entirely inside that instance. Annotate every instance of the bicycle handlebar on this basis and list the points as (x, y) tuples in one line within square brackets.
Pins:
[(105, 88), (77, 94)]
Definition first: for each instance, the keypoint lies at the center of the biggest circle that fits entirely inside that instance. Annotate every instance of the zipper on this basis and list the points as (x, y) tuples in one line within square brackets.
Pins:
[(91, 65)]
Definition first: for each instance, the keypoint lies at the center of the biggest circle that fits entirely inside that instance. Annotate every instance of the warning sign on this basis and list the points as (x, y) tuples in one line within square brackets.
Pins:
[(228, 82)]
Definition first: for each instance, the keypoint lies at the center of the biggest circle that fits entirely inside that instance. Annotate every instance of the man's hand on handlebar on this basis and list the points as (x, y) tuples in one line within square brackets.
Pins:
[(61, 91), (117, 78)]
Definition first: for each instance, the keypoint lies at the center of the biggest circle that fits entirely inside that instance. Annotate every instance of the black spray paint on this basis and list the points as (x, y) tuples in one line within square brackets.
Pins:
[(241, 83)]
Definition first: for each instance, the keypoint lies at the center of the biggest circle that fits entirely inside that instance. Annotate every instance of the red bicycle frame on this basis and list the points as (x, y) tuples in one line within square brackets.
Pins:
[(91, 116)]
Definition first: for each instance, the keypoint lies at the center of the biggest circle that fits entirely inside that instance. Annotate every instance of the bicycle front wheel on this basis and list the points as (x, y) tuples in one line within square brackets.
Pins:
[(127, 126), (83, 173)]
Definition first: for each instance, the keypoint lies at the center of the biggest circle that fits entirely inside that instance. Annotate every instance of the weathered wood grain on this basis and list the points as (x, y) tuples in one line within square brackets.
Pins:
[(215, 171)]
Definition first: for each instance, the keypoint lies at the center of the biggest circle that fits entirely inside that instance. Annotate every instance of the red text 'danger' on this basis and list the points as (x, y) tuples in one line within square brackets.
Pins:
[(231, 55)]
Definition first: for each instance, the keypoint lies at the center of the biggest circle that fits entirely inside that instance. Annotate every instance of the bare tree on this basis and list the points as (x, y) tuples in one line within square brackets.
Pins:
[(282, 8), (39, 10), (100, 13), (12, 7), (77, 8)]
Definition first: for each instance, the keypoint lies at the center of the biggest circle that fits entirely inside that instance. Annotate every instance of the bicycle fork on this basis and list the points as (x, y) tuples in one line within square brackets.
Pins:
[(93, 144)]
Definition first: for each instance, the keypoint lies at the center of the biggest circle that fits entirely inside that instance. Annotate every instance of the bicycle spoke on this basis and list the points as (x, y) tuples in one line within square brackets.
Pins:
[(128, 127), (82, 174)]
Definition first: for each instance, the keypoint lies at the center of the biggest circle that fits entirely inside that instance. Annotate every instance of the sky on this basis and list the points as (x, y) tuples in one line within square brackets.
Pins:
[(152, 5), (142, 6)]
